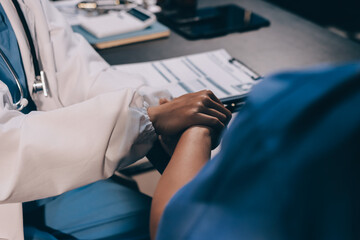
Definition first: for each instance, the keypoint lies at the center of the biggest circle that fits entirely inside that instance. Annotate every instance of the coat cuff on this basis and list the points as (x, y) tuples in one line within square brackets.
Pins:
[(147, 130)]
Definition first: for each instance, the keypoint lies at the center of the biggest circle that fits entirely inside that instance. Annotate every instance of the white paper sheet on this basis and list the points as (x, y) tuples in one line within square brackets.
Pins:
[(210, 70)]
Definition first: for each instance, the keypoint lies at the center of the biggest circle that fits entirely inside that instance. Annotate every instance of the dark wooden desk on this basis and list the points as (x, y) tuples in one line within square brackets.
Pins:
[(290, 42)]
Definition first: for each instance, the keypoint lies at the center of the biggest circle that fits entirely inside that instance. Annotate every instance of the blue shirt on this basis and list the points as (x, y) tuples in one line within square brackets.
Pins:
[(9, 47), (289, 167)]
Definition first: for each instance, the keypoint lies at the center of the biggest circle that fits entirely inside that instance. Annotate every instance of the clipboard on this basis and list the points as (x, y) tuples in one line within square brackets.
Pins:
[(235, 103), (227, 77)]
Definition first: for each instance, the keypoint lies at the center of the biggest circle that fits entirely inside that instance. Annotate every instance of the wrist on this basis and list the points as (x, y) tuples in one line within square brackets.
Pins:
[(198, 132), (195, 141)]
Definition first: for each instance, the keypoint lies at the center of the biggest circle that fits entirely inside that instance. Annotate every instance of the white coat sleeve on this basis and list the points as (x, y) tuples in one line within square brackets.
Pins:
[(47, 153), (97, 124)]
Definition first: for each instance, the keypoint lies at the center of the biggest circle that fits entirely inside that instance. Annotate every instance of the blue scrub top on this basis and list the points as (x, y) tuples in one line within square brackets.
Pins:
[(289, 167), (9, 47)]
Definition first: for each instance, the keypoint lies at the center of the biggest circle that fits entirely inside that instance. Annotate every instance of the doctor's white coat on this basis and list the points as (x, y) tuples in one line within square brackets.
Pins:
[(94, 122)]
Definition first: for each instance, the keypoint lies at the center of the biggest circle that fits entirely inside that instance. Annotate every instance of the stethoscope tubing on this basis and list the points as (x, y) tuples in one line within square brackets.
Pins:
[(21, 103), (29, 38)]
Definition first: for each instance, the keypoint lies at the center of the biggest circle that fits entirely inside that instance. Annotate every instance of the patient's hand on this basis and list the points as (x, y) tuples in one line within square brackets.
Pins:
[(200, 108)]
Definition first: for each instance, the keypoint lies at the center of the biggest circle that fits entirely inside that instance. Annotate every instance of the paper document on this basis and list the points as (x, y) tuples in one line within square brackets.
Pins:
[(215, 70)]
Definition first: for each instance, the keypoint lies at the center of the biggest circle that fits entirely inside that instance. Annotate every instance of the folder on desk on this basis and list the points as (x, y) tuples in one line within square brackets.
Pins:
[(155, 31), (229, 79)]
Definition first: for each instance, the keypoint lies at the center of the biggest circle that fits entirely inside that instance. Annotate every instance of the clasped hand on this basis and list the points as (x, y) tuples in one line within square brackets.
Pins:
[(202, 108)]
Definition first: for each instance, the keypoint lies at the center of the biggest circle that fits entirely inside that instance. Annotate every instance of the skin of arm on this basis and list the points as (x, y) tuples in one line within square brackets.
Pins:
[(191, 154)]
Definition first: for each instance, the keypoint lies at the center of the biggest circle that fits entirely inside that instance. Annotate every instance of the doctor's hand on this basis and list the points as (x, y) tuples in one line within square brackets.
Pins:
[(201, 108)]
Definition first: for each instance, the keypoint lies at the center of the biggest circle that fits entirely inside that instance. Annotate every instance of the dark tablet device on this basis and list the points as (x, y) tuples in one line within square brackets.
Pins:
[(213, 21)]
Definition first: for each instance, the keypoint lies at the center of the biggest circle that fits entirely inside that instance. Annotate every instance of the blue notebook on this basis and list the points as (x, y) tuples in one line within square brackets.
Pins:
[(155, 31)]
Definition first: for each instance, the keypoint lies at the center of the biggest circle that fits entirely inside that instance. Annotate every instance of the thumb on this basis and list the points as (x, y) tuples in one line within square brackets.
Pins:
[(163, 101)]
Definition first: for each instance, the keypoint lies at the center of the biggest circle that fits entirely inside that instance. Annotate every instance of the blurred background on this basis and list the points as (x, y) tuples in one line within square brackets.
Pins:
[(339, 16)]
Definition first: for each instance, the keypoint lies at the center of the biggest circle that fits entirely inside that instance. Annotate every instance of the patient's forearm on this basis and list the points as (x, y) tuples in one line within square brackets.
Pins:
[(191, 153)]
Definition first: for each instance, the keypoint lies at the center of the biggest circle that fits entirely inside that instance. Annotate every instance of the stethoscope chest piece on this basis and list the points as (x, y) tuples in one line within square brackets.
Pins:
[(40, 84)]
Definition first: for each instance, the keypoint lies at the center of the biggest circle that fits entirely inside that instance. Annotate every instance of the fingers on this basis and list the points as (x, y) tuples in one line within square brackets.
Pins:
[(219, 107), (208, 104), (219, 115), (208, 98), (209, 121), (212, 96)]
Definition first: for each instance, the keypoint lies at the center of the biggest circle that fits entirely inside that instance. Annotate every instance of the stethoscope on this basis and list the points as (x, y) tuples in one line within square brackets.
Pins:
[(40, 83)]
